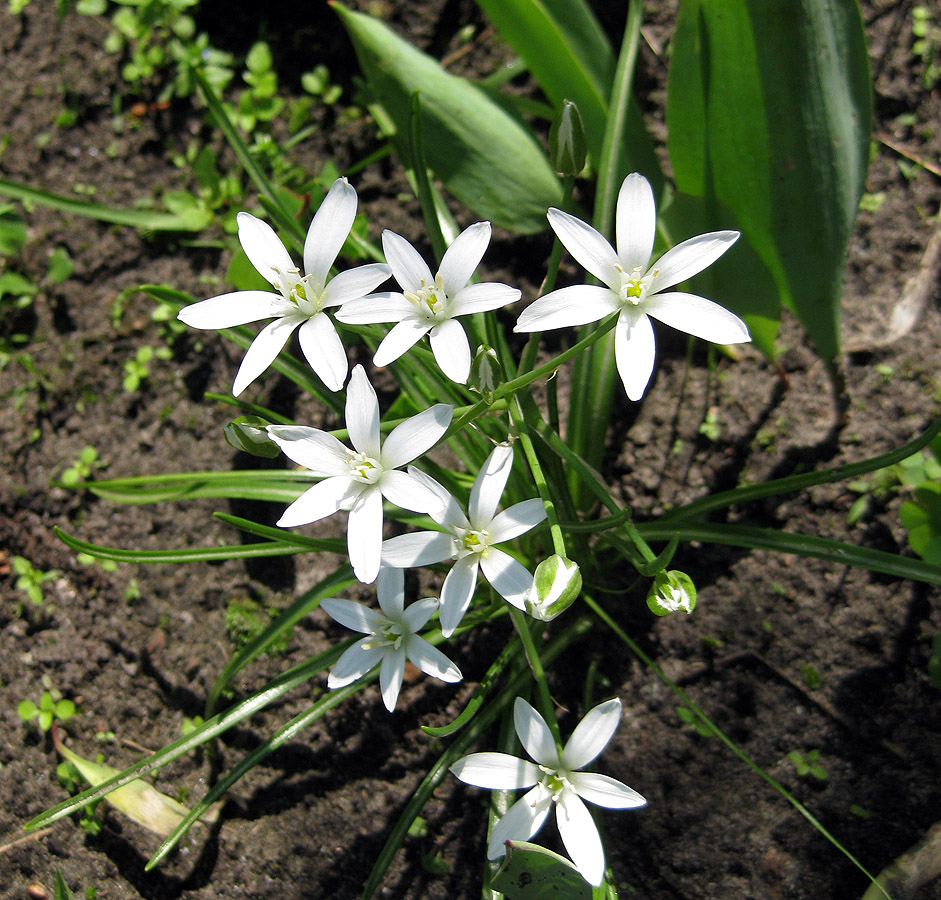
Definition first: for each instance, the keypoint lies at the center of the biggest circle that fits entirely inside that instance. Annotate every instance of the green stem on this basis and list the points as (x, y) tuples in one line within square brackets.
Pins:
[(543, 697)]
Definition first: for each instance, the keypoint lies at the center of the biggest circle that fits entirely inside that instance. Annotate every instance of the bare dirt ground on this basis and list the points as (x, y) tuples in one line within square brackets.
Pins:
[(138, 647)]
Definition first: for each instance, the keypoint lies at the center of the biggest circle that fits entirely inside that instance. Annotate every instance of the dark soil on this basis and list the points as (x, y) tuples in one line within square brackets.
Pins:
[(137, 648)]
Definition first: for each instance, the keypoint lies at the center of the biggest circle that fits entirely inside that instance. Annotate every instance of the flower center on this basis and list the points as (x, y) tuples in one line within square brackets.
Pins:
[(363, 468), (391, 634), (431, 300), (467, 541), (300, 291), (633, 285), (555, 782)]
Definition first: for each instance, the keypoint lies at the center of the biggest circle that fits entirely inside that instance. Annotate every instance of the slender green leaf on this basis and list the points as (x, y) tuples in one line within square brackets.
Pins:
[(482, 155), (144, 219), (769, 112)]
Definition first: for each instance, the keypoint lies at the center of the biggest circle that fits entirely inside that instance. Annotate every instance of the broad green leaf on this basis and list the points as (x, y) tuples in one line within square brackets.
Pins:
[(137, 799), (571, 58), (769, 113), (483, 156), (531, 872)]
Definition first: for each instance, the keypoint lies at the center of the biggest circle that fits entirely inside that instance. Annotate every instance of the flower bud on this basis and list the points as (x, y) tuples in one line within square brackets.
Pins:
[(567, 147), (555, 586), (485, 370), (671, 592)]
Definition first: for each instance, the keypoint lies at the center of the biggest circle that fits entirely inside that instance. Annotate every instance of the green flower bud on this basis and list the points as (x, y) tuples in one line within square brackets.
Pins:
[(567, 147), (485, 370), (555, 586), (671, 592)]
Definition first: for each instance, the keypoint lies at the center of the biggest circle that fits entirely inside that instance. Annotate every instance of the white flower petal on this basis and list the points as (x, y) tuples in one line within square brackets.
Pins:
[(417, 614), (580, 836), (355, 662), (362, 414), (450, 515), (420, 548), (229, 310), (451, 350), (517, 520), (382, 307), (329, 230), (697, 316), (463, 256), (483, 297), (406, 491), (496, 771), (354, 284), (390, 591), (587, 246), (509, 578), (592, 734), (634, 349), (263, 247), (352, 615), (488, 486), (391, 673), (689, 257), (568, 307), (416, 436), (636, 225), (456, 593), (400, 339), (534, 734), (409, 269), (364, 535), (522, 820), (311, 448), (267, 345), (431, 660), (323, 349), (604, 791), (317, 502)]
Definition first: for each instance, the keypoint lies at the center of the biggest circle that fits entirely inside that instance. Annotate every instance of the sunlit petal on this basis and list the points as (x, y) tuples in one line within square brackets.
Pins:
[(263, 247), (509, 578), (517, 520), (488, 486), (409, 269), (311, 448), (450, 513), (390, 591), (451, 350), (329, 230), (580, 836), (386, 306), (456, 593), (323, 349), (420, 548), (463, 256), (417, 614), (636, 223), (355, 283), (567, 308), (686, 259), (400, 339), (604, 791), (431, 660), (362, 414), (534, 734), (634, 350), (483, 297), (496, 771), (317, 502), (697, 316), (416, 436), (522, 820), (263, 350), (364, 535), (355, 662), (391, 673), (352, 615), (592, 734), (587, 246), (237, 308)]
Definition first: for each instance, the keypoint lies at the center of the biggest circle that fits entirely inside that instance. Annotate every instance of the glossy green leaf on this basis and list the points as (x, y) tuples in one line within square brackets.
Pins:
[(531, 872), (769, 113), (483, 156), (247, 433), (571, 58)]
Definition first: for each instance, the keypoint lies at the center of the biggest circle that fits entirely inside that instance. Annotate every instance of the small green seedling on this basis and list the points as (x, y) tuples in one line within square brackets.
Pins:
[(82, 467), (30, 580), (808, 765), (137, 369), (53, 707)]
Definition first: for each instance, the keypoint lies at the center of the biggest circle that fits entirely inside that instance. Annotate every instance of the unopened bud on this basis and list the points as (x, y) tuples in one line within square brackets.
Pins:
[(671, 592), (555, 586), (567, 147), (485, 370)]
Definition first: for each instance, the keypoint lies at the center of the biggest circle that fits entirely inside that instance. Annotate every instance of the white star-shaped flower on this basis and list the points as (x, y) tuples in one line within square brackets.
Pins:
[(356, 480), (471, 540), (634, 288), (300, 299), (431, 304), (556, 781), (391, 638)]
